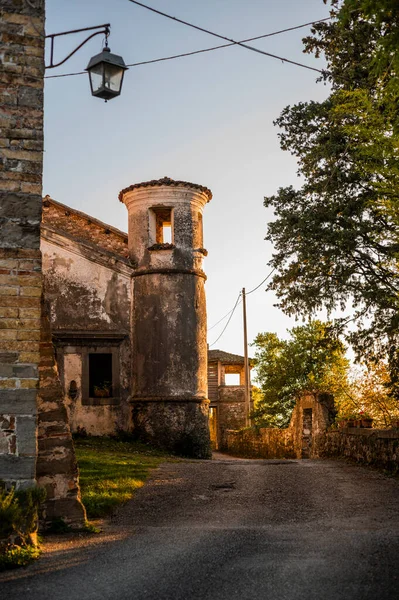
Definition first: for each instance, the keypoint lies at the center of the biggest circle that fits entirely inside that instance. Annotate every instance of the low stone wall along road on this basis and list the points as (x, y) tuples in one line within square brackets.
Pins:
[(234, 528)]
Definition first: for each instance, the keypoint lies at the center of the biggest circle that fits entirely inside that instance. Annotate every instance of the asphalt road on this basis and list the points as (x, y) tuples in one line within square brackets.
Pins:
[(225, 529)]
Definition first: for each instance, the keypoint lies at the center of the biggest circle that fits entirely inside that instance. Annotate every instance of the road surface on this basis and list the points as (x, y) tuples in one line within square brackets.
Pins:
[(228, 528)]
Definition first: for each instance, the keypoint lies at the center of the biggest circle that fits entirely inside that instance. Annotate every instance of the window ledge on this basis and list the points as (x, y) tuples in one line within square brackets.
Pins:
[(162, 247), (100, 401)]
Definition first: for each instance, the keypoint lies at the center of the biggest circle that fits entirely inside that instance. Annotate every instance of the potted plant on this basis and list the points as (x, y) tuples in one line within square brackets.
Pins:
[(352, 420), (365, 419), (103, 390)]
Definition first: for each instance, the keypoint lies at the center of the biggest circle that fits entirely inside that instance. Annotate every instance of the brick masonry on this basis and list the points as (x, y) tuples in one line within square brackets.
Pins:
[(30, 393), (21, 147)]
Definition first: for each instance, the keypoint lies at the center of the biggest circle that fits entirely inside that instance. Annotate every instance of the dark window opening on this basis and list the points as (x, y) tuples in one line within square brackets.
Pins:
[(100, 375), (307, 421)]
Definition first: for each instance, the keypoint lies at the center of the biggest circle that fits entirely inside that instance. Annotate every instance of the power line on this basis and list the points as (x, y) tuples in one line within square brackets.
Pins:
[(227, 324), (211, 49), (261, 283), (222, 319), (223, 37), (231, 312)]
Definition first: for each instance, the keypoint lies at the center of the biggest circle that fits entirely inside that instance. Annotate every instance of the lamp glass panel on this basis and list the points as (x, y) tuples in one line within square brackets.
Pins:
[(96, 77), (113, 77)]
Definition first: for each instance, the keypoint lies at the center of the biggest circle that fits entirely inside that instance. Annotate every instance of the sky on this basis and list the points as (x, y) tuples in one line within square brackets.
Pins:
[(207, 119)]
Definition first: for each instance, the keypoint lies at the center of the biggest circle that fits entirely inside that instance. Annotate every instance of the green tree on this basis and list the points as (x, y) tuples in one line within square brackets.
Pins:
[(336, 238), (312, 360), (369, 392)]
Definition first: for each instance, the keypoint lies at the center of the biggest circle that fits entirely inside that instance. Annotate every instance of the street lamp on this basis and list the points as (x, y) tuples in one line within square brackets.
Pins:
[(106, 71)]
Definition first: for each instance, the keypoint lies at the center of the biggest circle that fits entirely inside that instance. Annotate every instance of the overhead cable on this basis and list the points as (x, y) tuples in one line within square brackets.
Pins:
[(227, 324), (211, 49), (223, 37), (222, 319), (261, 283)]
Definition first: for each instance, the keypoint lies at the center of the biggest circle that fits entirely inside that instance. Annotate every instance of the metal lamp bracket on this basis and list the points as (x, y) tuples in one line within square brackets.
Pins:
[(105, 29)]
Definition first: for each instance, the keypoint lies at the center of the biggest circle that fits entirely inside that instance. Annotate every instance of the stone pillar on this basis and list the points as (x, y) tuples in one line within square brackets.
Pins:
[(169, 395), (30, 391), (21, 148)]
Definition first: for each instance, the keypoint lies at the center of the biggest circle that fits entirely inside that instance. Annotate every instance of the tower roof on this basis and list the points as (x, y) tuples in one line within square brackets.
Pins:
[(166, 181)]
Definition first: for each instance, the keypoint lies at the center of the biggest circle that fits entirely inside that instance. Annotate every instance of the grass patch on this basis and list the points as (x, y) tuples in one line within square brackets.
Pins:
[(112, 470)]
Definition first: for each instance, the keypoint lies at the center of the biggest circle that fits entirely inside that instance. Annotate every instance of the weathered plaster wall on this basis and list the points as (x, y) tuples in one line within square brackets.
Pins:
[(84, 294), (21, 147), (170, 329), (109, 415), (89, 292)]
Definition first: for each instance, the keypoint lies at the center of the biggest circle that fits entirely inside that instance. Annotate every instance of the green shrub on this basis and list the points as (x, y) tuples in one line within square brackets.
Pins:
[(10, 514), (18, 523), (18, 557)]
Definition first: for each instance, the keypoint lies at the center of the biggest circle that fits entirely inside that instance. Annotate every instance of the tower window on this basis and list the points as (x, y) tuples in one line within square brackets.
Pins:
[(161, 226)]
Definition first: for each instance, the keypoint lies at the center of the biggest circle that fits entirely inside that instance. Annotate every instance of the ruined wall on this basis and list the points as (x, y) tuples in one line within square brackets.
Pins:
[(88, 291), (261, 443), (376, 447), (21, 147), (312, 415), (231, 411)]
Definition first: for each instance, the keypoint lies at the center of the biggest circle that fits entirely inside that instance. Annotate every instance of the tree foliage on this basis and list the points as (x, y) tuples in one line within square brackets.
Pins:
[(336, 238), (312, 360), (369, 393)]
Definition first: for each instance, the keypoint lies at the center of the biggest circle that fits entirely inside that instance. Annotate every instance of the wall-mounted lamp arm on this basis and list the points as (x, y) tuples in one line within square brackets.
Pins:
[(105, 29)]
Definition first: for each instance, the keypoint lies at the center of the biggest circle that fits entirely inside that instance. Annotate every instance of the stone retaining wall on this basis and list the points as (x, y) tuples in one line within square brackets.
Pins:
[(379, 447), (261, 443)]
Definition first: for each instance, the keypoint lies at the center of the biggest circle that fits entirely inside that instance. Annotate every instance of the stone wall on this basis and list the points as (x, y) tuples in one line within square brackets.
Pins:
[(21, 147), (376, 447), (231, 411), (261, 443), (56, 468), (312, 415), (29, 384)]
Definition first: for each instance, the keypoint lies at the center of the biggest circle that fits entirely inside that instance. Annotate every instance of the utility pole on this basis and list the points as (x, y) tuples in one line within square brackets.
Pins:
[(246, 364)]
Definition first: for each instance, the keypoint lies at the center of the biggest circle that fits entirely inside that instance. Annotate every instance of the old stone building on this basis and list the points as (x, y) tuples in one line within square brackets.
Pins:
[(128, 315), (121, 367), (226, 393)]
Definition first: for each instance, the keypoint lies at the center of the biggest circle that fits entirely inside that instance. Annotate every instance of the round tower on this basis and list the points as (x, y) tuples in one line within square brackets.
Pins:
[(169, 394)]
